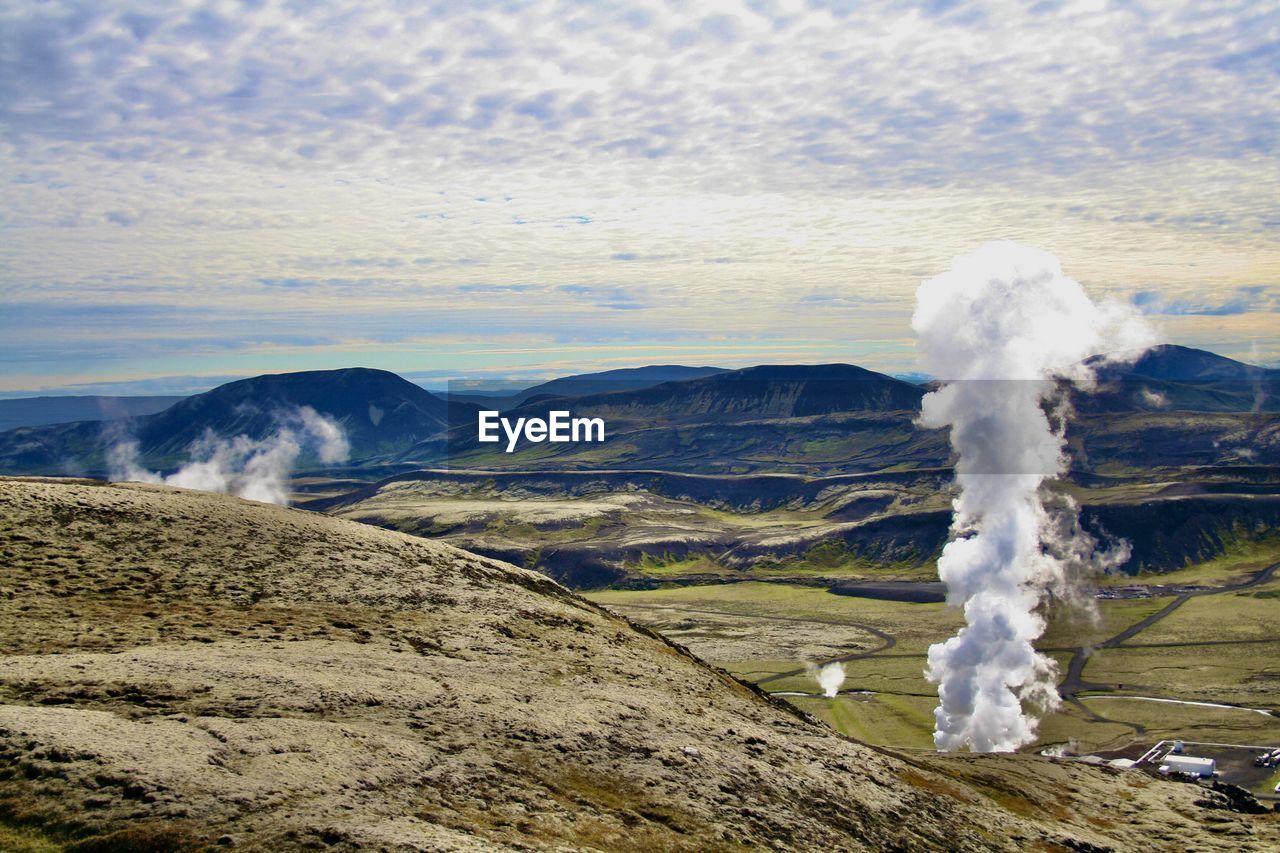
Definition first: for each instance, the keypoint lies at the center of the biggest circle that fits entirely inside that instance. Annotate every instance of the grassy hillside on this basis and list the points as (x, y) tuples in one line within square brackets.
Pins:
[(182, 670)]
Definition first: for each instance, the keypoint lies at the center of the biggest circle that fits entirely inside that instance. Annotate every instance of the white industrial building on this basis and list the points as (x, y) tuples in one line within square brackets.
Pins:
[(1202, 767)]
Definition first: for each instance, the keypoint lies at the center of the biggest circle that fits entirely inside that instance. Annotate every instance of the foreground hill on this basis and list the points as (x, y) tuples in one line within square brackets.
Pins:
[(181, 669)]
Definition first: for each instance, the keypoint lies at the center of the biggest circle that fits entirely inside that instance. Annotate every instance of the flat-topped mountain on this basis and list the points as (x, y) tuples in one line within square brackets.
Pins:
[(764, 391), (605, 381), (181, 670)]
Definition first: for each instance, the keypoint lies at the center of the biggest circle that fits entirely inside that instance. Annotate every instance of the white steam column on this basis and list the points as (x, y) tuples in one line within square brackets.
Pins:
[(998, 328)]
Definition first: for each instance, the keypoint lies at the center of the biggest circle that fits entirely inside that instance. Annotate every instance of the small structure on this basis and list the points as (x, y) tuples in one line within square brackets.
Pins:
[(1202, 767)]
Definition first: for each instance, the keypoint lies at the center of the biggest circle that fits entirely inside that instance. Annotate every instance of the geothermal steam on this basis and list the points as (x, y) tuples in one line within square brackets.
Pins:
[(830, 677), (241, 466), (1001, 327)]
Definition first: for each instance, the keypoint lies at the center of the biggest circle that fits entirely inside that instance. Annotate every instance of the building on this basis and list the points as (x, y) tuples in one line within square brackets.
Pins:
[(1202, 767)]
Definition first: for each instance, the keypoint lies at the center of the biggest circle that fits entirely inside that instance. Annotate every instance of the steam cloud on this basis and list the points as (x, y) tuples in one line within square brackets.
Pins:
[(830, 677), (241, 466), (1002, 326)]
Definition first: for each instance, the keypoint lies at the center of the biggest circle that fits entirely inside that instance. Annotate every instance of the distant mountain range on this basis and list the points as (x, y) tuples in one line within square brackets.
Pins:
[(813, 419), (1184, 364), (606, 381), (40, 411), (769, 391)]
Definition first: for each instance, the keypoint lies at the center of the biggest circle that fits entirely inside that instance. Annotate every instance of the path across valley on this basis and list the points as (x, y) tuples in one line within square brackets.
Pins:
[(1073, 683)]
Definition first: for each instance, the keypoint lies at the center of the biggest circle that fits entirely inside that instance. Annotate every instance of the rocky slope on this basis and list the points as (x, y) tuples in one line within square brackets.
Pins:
[(183, 670)]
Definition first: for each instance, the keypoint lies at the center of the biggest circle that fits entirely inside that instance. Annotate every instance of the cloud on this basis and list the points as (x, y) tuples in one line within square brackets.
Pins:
[(1240, 300), (611, 296), (121, 217), (871, 85), (322, 162)]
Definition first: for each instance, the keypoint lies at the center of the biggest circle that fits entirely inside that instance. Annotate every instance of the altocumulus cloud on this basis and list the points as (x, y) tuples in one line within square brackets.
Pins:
[(1241, 300), (801, 89), (254, 156)]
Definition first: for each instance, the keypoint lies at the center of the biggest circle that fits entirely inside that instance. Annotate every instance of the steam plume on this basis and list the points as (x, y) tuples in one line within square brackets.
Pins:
[(830, 677), (241, 466), (1006, 312)]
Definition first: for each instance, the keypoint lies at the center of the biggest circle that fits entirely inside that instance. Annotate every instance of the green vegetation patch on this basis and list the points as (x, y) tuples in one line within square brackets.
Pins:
[(1069, 628), (670, 565), (1246, 674), (883, 720), (1168, 721), (1225, 616), (1245, 551)]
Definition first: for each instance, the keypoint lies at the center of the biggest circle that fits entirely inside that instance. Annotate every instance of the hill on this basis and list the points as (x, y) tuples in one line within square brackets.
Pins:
[(1181, 379), (182, 669), (805, 418), (765, 391), (816, 420), (1185, 364), (39, 411), (379, 411)]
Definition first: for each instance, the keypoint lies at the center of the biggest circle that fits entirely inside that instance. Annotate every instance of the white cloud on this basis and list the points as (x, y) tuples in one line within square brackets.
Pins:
[(180, 154)]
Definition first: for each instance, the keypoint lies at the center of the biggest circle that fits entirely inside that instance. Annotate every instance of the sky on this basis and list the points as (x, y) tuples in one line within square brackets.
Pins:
[(197, 191)]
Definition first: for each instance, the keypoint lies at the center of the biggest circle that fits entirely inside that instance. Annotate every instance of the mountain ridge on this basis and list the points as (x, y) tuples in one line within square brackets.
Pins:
[(767, 413), (47, 410)]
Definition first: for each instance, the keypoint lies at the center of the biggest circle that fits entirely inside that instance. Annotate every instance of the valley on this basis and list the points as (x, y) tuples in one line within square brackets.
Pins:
[(184, 670), (1150, 668), (771, 523)]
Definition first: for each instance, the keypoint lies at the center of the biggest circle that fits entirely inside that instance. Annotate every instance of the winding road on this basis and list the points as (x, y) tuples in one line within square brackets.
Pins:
[(1073, 683)]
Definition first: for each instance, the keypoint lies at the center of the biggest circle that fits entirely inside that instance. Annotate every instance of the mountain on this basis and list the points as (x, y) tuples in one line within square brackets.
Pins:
[(380, 412), (621, 379), (1180, 379), (1185, 364), (189, 671), (766, 391), (814, 420), (39, 411), (799, 418)]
